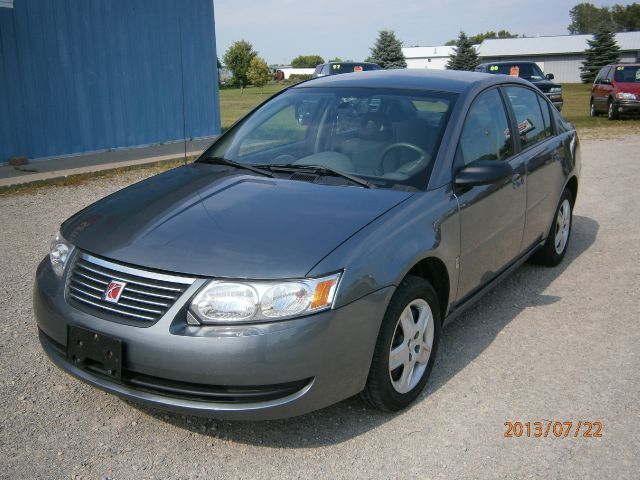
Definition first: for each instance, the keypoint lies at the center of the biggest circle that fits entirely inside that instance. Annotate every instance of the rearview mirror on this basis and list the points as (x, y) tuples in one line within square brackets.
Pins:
[(549, 76), (483, 172)]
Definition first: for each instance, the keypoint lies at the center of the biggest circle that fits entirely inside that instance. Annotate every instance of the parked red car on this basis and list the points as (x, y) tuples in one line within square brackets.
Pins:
[(616, 90)]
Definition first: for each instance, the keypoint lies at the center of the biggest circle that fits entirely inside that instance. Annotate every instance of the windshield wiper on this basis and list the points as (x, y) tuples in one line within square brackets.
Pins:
[(231, 163), (321, 170)]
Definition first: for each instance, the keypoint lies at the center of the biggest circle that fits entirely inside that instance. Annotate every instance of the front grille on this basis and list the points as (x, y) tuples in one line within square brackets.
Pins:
[(145, 298)]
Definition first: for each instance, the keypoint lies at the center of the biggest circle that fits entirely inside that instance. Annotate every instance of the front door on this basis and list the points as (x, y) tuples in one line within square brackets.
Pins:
[(491, 216)]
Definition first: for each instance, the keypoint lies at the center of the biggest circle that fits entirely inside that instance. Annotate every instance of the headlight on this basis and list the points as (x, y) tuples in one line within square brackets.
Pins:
[(555, 90), (59, 253), (224, 301), (625, 96)]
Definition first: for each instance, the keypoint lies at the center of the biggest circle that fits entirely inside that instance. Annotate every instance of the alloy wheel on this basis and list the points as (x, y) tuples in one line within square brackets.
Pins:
[(411, 346), (563, 225)]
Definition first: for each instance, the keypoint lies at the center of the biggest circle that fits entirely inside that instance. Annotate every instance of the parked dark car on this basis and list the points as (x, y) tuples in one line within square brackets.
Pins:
[(336, 68), (316, 249), (531, 72), (616, 91)]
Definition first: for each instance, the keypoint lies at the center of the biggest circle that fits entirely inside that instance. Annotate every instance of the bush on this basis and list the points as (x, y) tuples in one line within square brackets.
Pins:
[(299, 77)]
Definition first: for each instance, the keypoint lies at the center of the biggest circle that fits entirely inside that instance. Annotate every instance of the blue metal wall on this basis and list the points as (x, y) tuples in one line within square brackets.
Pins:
[(85, 75)]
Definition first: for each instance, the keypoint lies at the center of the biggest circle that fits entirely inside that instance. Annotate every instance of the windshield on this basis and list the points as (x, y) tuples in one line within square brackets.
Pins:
[(388, 137), (528, 71), (627, 74)]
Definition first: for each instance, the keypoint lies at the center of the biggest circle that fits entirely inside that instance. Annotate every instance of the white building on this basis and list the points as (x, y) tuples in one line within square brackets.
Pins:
[(561, 55), (287, 71), (427, 57)]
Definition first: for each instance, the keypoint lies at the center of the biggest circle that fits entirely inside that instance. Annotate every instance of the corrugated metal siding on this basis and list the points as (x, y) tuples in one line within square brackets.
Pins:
[(85, 75)]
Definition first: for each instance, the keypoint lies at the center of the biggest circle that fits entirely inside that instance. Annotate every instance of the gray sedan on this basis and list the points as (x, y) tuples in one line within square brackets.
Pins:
[(316, 250)]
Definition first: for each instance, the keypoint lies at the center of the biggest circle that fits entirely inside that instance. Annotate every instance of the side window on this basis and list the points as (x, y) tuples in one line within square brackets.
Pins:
[(486, 135), (526, 108), (325, 69), (546, 116), (599, 76), (610, 73)]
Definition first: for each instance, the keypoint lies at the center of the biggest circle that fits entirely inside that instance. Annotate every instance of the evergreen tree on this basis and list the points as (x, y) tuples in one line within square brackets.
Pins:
[(603, 50), (464, 56), (387, 51)]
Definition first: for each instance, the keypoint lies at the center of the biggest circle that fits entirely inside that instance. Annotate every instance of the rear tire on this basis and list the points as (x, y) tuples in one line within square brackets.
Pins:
[(593, 112), (555, 247), (406, 347)]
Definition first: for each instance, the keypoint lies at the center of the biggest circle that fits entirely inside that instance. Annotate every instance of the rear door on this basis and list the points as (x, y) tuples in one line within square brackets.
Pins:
[(491, 216)]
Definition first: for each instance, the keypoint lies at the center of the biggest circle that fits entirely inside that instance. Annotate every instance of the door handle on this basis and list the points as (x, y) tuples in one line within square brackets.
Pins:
[(517, 180)]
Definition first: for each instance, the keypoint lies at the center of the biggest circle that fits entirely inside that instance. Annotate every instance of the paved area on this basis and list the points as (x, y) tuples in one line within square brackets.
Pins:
[(92, 162), (547, 344)]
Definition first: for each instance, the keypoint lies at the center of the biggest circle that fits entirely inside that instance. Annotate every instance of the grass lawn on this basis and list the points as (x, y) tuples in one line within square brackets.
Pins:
[(234, 104)]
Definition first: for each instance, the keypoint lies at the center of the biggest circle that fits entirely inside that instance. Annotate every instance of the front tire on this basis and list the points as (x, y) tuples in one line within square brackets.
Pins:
[(555, 247), (612, 111), (406, 347)]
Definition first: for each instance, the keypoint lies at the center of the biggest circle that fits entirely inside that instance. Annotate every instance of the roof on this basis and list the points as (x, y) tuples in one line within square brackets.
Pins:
[(440, 51), (414, 79), (556, 45)]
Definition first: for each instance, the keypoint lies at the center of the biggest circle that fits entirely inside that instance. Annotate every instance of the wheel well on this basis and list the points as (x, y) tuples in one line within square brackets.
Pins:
[(572, 185), (435, 272)]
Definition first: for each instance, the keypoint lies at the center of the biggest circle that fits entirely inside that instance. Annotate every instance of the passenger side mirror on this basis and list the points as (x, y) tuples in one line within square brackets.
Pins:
[(550, 76), (605, 81), (483, 172)]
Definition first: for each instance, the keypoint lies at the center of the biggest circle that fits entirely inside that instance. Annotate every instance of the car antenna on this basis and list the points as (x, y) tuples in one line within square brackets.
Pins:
[(184, 117)]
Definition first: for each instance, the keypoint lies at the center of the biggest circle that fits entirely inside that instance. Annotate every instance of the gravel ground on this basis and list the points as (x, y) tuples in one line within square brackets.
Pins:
[(553, 344)]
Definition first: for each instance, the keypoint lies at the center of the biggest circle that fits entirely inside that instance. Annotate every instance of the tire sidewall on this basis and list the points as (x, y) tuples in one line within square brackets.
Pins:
[(411, 288), (557, 257)]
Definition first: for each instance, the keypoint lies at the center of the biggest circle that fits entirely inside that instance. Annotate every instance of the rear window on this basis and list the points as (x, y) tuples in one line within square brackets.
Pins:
[(528, 71), (627, 74)]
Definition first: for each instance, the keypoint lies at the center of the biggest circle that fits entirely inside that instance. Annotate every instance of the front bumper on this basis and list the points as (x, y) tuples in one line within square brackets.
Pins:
[(295, 366), (556, 99), (631, 107)]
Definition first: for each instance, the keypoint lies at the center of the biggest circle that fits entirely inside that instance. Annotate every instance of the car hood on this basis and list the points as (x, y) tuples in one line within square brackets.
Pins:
[(218, 221), (545, 85), (628, 87)]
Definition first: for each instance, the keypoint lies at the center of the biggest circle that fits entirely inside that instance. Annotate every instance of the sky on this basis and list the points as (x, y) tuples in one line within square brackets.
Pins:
[(280, 30)]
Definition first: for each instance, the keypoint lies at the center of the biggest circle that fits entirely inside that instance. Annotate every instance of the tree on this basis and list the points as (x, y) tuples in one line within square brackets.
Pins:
[(602, 51), (626, 17), (307, 61), (387, 51), (238, 59), (587, 18), (337, 59), (259, 72), (480, 37), (464, 56)]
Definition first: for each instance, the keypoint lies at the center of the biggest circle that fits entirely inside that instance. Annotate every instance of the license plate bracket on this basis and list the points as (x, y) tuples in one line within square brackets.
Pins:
[(94, 351)]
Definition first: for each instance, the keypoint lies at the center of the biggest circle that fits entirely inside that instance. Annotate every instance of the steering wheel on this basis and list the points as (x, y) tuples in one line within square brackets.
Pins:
[(413, 166)]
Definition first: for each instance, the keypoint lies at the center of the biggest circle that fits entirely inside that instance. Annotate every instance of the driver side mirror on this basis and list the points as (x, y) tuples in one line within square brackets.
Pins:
[(549, 76), (605, 81), (483, 172)]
